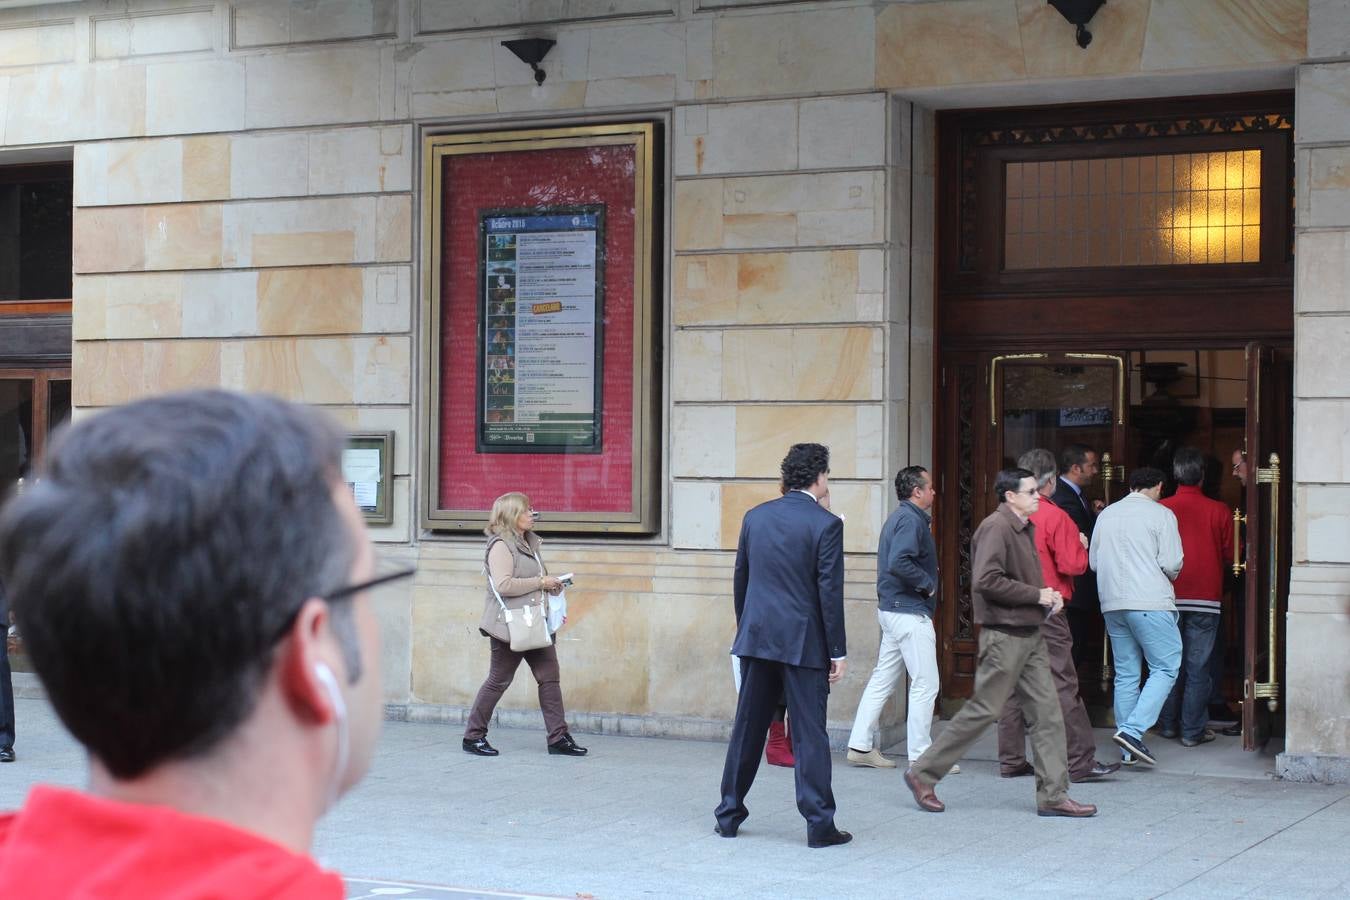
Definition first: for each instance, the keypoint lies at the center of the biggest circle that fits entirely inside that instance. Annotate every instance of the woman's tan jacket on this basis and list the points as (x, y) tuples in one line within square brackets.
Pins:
[(519, 584)]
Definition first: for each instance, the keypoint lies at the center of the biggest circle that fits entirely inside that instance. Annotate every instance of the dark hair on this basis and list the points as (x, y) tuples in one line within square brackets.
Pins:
[(908, 480), (1073, 455), (1041, 463), (1145, 478), (1188, 466), (803, 464), (153, 565), (1009, 480)]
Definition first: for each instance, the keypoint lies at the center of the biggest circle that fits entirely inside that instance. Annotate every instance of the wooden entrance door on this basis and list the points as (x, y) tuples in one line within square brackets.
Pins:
[(1265, 571), (997, 406)]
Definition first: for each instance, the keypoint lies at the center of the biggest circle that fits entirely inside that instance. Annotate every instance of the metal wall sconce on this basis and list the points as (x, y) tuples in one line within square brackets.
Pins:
[(531, 51), (1079, 13)]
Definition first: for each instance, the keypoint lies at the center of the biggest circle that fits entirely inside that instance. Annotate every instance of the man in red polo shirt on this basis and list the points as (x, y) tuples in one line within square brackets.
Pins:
[(1063, 553), (1206, 528), (191, 577)]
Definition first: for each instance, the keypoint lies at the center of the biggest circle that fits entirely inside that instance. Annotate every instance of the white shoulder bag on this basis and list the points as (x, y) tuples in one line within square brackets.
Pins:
[(527, 626)]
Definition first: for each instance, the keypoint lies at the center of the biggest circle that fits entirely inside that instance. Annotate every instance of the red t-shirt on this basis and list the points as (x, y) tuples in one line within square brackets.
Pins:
[(1062, 553), (1206, 528), (64, 843)]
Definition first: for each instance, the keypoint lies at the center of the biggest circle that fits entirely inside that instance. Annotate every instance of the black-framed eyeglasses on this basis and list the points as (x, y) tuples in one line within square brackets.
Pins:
[(346, 592), (353, 589)]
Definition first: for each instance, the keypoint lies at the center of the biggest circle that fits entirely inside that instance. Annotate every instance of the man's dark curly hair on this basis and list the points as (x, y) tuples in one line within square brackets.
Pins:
[(803, 464)]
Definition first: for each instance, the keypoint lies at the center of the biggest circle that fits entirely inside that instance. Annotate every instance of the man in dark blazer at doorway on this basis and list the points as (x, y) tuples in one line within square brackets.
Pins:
[(1078, 465), (789, 595)]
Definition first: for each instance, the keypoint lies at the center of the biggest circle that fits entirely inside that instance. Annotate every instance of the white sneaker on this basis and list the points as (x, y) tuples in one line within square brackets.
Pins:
[(871, 759), (954, 770)]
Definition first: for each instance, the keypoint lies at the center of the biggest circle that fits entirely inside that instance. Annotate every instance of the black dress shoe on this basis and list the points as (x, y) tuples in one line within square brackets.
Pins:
[(830, 840), (6, 754), (1234, 730), (1098, 770), (1025, 768), (724, 832), (565, 746), (479, 747)]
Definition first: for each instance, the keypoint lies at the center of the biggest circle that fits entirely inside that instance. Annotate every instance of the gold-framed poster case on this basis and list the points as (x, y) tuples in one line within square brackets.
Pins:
[(539, 294)]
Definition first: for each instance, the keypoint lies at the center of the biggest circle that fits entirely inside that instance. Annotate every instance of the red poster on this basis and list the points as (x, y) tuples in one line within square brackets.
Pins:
[(474, 185)]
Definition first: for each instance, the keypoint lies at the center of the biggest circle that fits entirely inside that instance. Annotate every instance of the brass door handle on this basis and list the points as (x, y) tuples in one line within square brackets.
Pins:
[(1238, 521), (1110, 473), (1269, 690)]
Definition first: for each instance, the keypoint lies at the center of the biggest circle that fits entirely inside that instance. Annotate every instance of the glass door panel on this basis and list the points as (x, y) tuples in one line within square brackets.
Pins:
[(16, 429), (58, 403), (1054, 404)]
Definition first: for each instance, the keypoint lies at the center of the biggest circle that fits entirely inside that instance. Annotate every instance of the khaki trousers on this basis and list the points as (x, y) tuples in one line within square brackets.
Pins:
[(1081, 743), (1008, 664)]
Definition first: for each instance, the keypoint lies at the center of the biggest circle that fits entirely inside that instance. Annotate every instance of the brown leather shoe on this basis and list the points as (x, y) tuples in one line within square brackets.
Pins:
[(1024, 769), (924, 795), (1070, 808)]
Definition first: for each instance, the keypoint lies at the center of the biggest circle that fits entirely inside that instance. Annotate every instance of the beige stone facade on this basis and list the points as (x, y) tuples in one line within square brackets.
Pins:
[(247, 215)]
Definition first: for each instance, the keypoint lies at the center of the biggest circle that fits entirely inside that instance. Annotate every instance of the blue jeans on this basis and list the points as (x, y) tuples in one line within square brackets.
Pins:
[(1147, 635), (1190, 695)]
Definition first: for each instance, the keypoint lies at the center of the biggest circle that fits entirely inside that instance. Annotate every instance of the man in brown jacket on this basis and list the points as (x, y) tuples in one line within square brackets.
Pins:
[(1011, 601)]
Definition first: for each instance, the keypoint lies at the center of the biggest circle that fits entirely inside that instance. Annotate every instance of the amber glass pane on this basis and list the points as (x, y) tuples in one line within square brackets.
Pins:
[(1175, 209)]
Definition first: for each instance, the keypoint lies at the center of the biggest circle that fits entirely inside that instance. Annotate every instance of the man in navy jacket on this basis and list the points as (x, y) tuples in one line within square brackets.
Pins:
[(789, 595)]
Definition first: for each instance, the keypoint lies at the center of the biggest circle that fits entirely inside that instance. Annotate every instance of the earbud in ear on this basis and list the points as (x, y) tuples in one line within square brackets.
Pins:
[(330, 685)]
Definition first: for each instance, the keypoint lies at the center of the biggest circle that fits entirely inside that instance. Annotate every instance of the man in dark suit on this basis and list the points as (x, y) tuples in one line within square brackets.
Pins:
[(1077, 468), (789, 594)]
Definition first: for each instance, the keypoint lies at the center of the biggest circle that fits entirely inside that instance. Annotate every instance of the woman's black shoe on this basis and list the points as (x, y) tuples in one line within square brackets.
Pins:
[(479, 747), (565, 746)]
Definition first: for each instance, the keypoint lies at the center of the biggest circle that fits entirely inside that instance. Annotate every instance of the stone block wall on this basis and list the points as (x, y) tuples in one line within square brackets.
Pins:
[(246, 192), (1317, 666)]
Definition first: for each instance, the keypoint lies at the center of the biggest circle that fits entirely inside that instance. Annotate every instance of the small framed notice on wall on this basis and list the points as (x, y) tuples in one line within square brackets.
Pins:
[(367, 468)]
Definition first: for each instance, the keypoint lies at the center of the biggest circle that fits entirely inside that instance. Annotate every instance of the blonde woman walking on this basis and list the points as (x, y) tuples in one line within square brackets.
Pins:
[(516, 571)]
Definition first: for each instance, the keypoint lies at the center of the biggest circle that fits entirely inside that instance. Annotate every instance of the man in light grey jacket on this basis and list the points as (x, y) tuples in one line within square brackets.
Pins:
[(1136, 553)]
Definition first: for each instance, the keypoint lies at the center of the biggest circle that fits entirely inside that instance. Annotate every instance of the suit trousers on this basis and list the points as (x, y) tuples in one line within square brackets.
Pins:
[(763, 682), (1081, 743), (908, 642), (1008, 664), (543, 666)]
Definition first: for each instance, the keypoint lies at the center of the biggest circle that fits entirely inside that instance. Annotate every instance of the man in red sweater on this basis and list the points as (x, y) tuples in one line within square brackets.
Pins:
[(1206, 529), (192, 579), (1062, 549)]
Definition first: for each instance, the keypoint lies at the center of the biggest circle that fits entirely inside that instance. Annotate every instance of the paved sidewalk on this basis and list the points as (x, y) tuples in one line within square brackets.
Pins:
[(634, 819)]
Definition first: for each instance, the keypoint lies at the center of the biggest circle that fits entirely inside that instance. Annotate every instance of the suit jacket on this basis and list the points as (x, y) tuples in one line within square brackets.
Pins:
[(789, 583), (1068, 500), (1085, 585)]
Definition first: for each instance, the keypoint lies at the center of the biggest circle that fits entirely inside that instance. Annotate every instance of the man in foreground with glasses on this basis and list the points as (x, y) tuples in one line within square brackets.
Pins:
[(1011, 601), (192, 579)]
